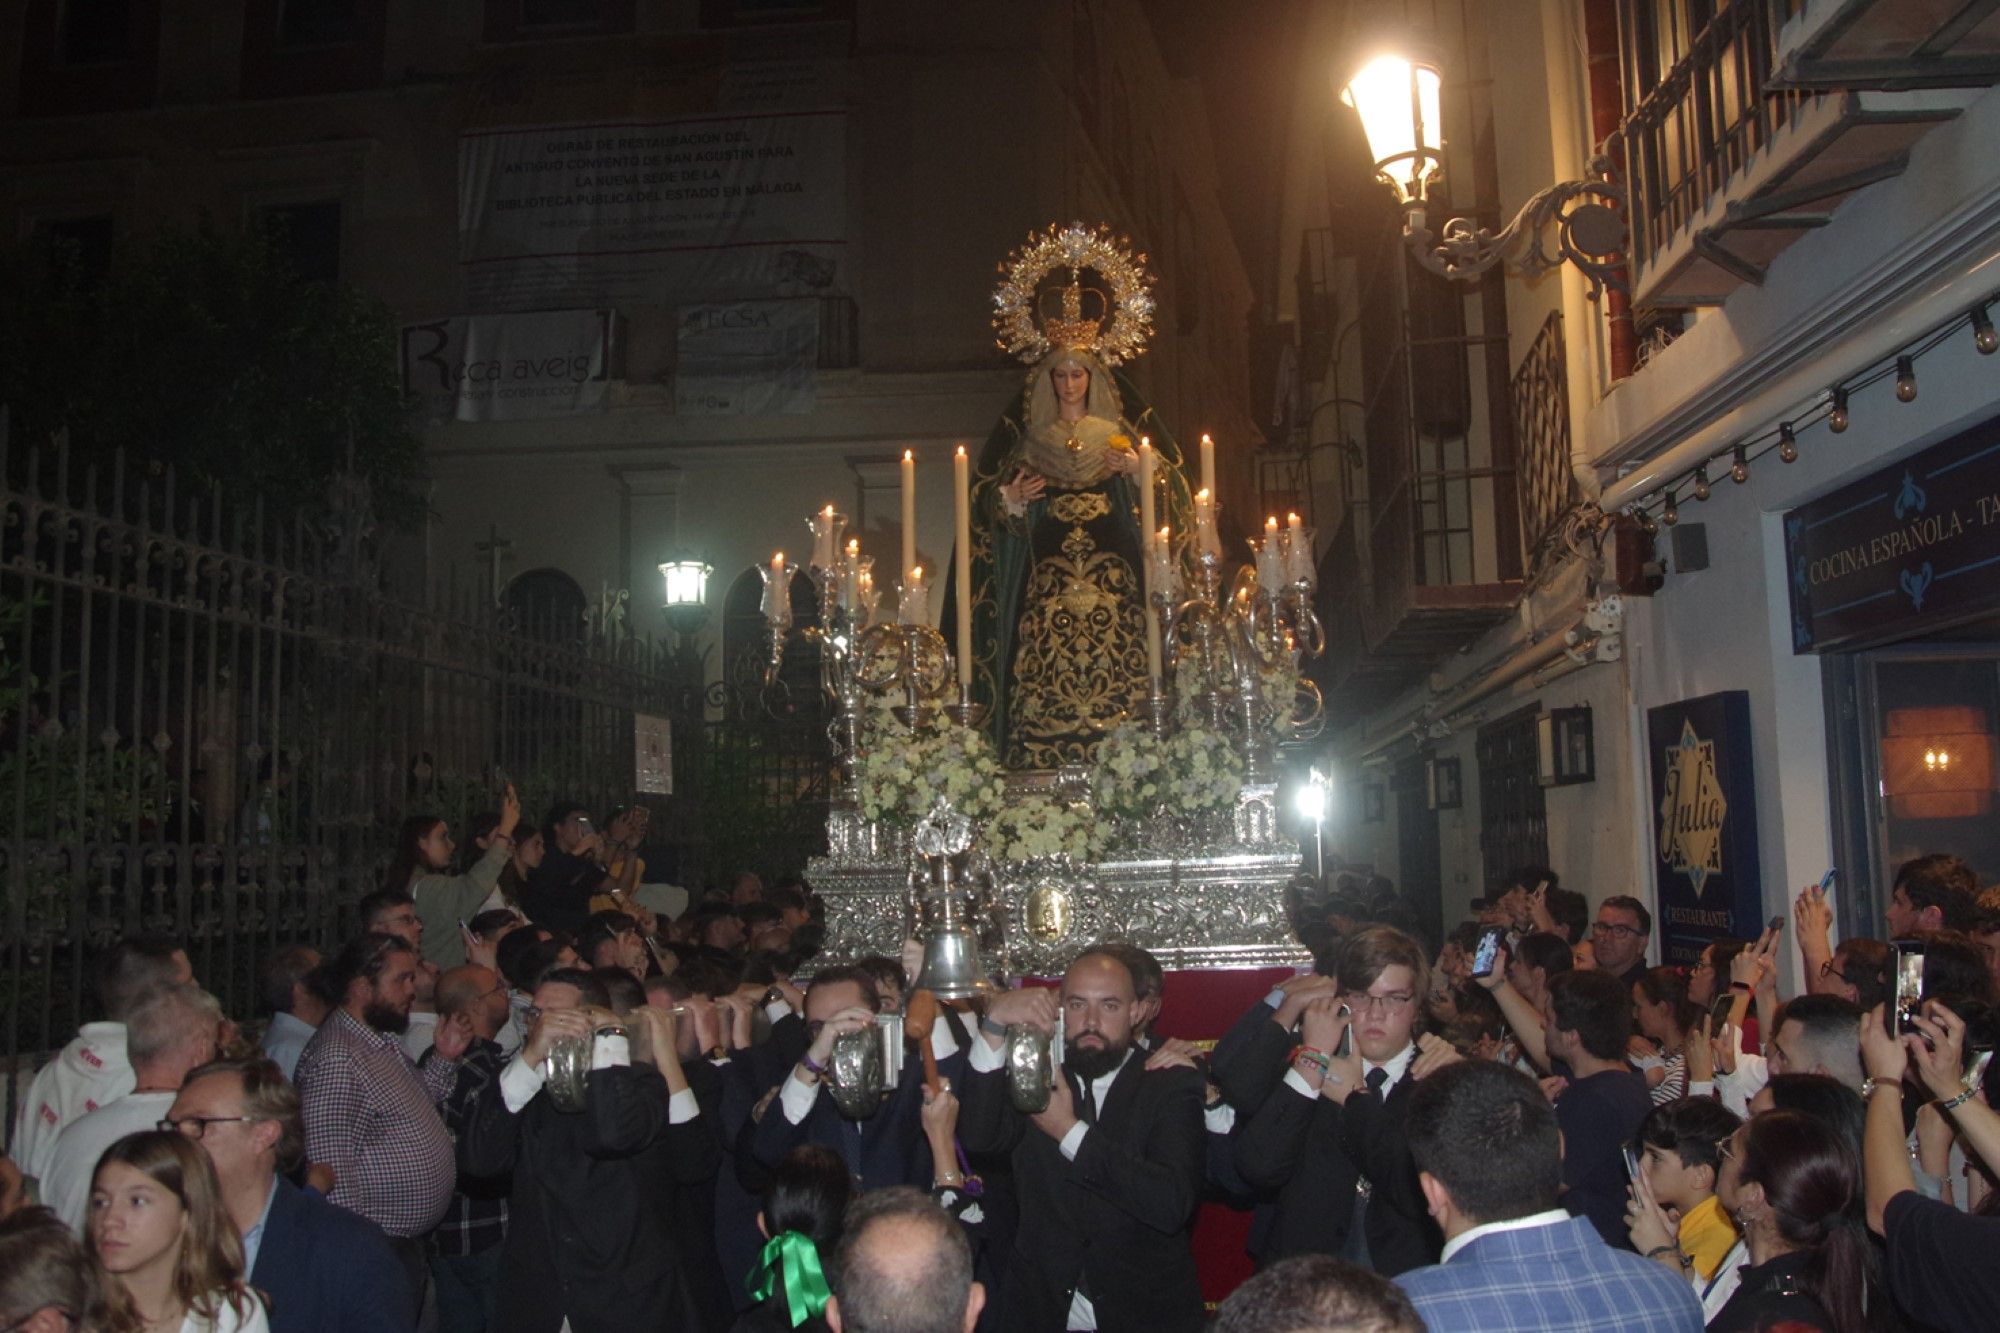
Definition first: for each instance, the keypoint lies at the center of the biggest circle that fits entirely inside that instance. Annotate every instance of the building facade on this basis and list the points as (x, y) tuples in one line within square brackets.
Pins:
[(1648, 674), (676, 273)]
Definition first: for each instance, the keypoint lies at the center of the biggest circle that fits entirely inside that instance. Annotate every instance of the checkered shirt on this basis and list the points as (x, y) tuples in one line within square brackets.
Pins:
[(476, 1219), (373, 1117)]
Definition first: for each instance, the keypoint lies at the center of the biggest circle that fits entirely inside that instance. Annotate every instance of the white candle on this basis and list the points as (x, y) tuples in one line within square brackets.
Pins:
[(1300, 566), (777, 606), (850, 577), (823, 540), (1205, 540), (1164, 576), (909, 511), (1146, 491), (1270, 558), (961, 484), (911, 606), (1208, 463)]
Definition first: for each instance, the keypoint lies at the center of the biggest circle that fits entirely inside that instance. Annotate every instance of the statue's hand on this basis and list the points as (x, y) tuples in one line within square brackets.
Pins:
[(1025, 488), (1122, 461)]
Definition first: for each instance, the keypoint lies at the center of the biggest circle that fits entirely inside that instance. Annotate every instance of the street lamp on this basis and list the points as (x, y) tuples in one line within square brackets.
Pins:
[(1397, 98), (686, 594), (684, 600), (1309, 802)]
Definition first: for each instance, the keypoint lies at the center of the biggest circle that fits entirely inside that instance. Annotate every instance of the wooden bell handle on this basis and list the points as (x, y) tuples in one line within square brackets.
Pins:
[(920, 1015)]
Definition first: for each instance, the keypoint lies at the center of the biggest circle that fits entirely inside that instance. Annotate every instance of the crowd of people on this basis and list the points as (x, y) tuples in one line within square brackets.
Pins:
[(519, 1099)]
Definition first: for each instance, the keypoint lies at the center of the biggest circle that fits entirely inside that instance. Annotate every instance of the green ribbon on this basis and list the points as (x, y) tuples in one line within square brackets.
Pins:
[(792, 1256)]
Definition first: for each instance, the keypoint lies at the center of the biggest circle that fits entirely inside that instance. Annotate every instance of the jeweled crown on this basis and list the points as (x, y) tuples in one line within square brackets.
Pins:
[(1072, 328)]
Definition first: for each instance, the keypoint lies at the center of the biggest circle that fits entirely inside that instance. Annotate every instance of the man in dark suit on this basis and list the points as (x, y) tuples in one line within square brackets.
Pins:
[(881, 1149), (1329, 1141), (1490, 1161), (325, 1270), (589, 1245), (1109, 1175)]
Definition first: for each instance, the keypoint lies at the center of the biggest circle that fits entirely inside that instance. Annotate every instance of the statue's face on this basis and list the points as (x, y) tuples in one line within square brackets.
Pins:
[(1072, 383)]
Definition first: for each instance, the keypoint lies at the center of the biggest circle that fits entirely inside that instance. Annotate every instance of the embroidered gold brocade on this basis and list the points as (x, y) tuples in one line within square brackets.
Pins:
[(1082, 646), (1080, 506)]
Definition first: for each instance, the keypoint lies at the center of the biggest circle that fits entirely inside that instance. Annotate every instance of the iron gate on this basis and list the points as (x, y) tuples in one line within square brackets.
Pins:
[(211, 723)]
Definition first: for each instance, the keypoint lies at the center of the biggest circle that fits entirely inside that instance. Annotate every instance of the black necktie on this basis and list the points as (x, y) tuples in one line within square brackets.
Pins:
[(1086, 1105), (1376, 1078)]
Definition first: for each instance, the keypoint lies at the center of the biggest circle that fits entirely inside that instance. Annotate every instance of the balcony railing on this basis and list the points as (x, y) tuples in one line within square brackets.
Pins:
[(1541, 433), (1728, 163), (1702, 123)]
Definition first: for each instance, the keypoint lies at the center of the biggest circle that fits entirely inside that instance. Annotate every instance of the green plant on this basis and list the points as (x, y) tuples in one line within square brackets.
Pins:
[(201, 348)]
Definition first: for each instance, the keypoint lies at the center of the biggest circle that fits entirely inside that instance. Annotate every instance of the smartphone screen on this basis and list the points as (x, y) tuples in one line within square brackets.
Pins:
[(1909, 964), (1719, 1013), (1778, 922), (1631, 1163), (1488, 952)]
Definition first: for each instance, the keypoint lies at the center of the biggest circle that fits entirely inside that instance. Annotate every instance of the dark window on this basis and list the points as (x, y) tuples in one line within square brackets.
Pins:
[(318, 23), (79, 246), (561, 13), (308, 235), (547, 605), (94, 32), (1513, 809)]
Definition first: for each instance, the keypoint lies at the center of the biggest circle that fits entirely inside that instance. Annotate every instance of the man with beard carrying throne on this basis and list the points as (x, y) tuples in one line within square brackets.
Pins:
[(1058, 572)]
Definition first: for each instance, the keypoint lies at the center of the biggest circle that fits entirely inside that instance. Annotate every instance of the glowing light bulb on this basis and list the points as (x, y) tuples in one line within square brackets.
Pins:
[(1788, 444), (1739, 469), (1906, 380), (1670, 512), (1701, 487), (1836, 420)]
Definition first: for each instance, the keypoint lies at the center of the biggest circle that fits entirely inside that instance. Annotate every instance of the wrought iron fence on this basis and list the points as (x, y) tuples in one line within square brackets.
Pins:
[(211, 722), (1541, 427)]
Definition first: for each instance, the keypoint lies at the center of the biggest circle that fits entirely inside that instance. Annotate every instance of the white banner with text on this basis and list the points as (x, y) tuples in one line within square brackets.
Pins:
[(546, 363), (652, 212)]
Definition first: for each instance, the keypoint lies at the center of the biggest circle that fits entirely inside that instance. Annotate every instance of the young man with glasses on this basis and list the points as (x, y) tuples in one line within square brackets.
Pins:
[(1329, 1142), (325, 1270), (1619, 938)]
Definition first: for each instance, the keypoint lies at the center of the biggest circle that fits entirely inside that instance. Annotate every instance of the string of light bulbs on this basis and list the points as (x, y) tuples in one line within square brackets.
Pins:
[(1831, 407)]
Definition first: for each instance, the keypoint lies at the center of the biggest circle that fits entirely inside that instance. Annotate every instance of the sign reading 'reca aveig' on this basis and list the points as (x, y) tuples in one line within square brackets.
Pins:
[(1705, 824), (1912, 546)]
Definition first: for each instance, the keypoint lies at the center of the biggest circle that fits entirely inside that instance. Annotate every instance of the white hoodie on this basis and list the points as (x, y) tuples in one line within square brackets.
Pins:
[(91, 1071)]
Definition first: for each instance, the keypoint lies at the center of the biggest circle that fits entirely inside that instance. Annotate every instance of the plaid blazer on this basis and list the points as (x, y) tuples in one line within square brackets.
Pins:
[(1551, 1279)]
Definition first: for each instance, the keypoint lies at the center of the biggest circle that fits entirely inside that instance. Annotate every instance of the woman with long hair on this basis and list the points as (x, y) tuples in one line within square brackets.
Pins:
[(801, 1220), (1665, 1017), (422, 864), (159, 1228), (1793, 1186)]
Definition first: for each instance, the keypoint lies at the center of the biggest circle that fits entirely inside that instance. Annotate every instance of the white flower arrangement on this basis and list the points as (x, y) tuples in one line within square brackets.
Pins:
[(1130, 779), (1038, 826), (1204, 773), (902, 772)]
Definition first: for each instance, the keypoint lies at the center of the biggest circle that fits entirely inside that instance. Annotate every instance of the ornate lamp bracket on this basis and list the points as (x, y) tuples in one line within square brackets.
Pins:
[(1589, 231)]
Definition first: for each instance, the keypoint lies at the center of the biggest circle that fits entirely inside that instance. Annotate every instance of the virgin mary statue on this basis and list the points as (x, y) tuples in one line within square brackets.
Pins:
[(1059, 612)]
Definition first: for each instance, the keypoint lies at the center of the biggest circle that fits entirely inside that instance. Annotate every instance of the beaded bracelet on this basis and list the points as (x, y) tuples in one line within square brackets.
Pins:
[(1311, 1055), (1959, 1100)]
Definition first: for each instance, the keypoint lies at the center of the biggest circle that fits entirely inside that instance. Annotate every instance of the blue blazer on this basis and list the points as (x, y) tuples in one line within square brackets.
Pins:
[(1559, 1278), (327, 1270)]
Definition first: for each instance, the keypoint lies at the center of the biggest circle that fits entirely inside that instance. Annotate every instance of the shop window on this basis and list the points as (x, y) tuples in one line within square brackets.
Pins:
[(308, 236), (1914, 731)]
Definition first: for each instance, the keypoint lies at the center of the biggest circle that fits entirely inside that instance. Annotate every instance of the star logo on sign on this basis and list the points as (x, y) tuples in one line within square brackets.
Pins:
[(1692, 810)]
